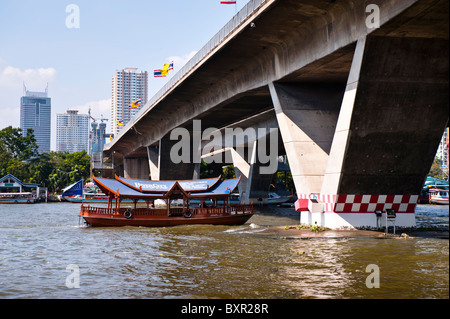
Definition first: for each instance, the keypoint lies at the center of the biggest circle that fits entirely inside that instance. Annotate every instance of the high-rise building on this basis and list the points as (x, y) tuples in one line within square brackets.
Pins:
[(98, 138), (442, 152), (128, 86), (35, 113), (72, 132)]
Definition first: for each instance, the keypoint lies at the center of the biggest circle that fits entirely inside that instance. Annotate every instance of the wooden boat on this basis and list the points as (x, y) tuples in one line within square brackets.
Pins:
[(439, 196), (210, 196), (17, 198)]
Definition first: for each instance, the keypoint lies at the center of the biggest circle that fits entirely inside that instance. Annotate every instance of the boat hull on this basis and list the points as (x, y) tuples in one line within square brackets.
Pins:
[(18, 201), (112, 221), (145, 217), (439, 201)]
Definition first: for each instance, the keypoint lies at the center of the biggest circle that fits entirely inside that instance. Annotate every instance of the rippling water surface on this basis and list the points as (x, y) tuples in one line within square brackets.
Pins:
[(38, 242)]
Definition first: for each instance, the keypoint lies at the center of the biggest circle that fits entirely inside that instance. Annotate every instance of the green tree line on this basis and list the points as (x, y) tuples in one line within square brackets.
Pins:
[(19, 156)]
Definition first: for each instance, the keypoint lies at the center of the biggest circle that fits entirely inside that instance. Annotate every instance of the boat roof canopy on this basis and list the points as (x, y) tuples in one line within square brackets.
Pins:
[(147, 189), (147, 186)]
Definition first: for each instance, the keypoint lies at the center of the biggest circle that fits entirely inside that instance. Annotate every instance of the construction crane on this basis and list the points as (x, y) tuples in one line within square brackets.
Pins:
[(95, 120)]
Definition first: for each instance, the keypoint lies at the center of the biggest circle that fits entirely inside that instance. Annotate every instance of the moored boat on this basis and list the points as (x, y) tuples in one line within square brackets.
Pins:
[(78, 193), (17, 198), (439, 196), (430, 183), (204, 201), (275, 199)]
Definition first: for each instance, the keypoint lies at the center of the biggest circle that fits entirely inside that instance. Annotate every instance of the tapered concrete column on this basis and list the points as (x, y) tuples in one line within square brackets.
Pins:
[(255, 176), (242, 170), (168, 170), (136, 168), (341, 135), (153, 161), (393, 113), (307, 116)]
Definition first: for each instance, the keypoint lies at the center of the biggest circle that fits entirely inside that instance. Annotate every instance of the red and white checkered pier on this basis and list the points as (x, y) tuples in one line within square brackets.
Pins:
[(355, 211)]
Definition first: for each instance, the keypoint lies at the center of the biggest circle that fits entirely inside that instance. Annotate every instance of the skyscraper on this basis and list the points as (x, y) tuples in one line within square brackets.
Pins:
[(72, 132), (128, 86), (35, 113)]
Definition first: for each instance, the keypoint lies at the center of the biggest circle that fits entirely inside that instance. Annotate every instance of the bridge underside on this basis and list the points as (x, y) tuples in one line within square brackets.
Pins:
[(359, 112)]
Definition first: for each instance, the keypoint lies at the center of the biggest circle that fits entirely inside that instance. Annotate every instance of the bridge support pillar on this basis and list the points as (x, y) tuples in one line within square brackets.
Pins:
[(393, 112), (168, 170), (255, 182), (307, 116), (136, 168), (153, 162)]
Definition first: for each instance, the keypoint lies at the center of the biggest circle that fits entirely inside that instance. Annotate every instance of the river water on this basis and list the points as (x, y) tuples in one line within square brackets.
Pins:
[(45, 253)]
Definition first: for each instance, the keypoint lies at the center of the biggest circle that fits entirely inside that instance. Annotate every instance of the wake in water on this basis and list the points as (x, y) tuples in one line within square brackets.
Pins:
[(246, 229)]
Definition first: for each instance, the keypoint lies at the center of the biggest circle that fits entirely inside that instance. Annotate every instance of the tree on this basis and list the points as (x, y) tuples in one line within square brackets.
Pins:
[(15, 150), (19, 146), (435, 170), (19, 156), (67, 169)]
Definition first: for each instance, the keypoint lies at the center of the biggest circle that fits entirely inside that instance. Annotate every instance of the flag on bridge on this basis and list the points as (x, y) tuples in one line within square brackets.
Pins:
[(120, 123), (135, 104), (164, 71), (227, 2)]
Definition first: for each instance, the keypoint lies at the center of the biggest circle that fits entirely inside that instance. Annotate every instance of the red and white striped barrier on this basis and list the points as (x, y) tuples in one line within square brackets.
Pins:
[(354, 211), (359, 203)]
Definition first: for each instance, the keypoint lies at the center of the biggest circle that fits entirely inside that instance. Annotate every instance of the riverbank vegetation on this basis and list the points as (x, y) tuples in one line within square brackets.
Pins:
[(20, 157)]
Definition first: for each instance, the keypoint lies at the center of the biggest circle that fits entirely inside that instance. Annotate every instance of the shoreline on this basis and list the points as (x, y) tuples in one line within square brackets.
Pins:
[(291, 232)]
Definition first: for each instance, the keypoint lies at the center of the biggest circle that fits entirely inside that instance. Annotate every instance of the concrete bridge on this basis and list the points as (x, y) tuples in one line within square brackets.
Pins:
[(356, 91)]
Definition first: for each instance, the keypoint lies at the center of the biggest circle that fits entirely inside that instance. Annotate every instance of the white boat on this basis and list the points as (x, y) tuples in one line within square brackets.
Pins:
[(275, 199), (438, 196), (17, 198)]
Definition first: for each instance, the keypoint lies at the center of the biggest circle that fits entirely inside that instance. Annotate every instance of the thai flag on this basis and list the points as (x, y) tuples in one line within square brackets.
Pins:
[(158, 74), (164, 71), (135, 104)]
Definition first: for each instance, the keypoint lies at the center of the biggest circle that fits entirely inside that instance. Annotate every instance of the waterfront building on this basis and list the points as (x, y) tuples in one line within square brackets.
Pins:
[(128, 85), (10, 183), (35, 113), (14, 191), (72, 132)]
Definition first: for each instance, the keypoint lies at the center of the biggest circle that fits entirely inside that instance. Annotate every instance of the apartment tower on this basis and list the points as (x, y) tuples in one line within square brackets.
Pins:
[(72, 132), (128, 86), (35, 113)]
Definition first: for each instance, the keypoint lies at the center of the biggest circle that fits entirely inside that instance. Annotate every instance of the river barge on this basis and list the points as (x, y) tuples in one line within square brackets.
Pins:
[(166, 203)]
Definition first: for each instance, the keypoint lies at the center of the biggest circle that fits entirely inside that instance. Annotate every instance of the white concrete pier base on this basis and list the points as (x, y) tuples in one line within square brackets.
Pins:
[(356, 211)]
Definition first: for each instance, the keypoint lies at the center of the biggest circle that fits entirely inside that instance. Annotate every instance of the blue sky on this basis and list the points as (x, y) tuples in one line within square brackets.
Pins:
[(36, 47)]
